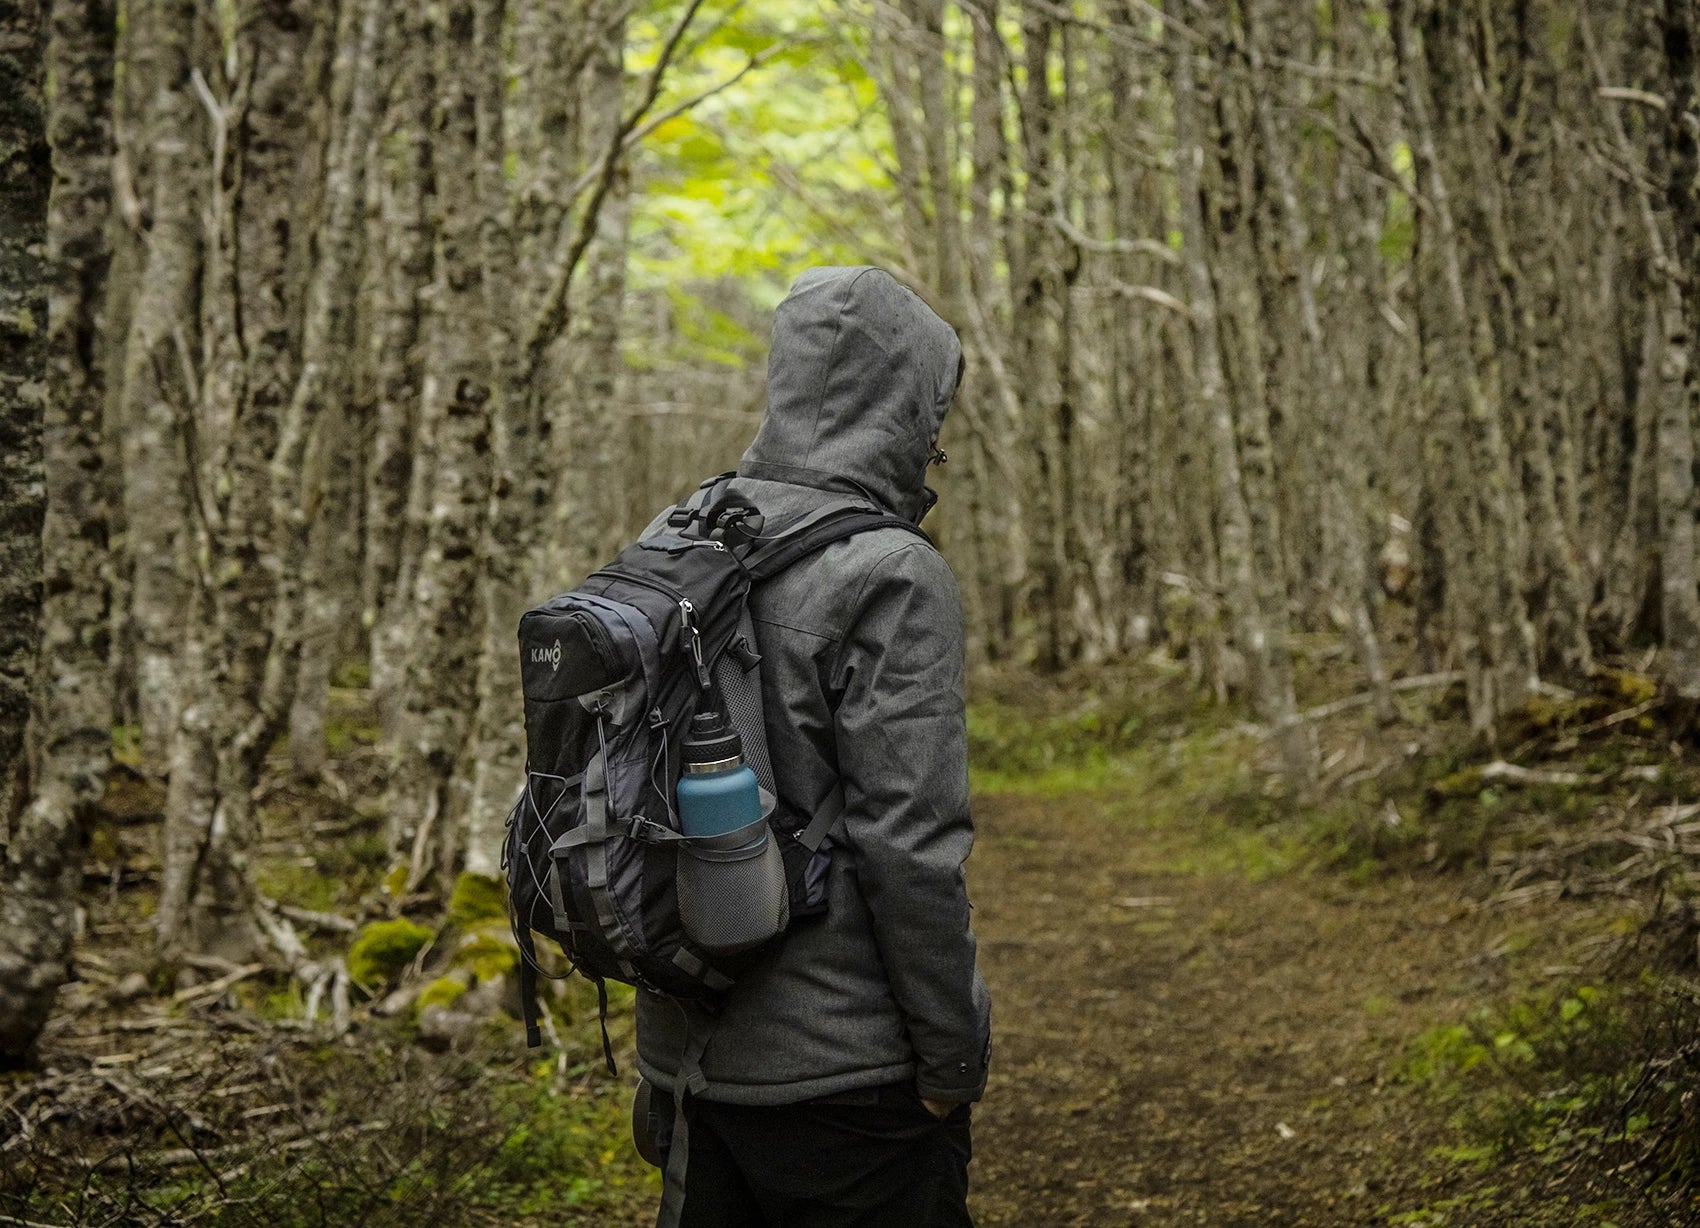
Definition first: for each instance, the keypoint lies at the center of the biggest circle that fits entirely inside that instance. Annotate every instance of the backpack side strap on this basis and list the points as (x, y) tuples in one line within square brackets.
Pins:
[(812, 836)]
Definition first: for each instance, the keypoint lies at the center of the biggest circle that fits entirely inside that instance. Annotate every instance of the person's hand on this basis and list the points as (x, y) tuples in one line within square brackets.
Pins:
[(940, 1109)]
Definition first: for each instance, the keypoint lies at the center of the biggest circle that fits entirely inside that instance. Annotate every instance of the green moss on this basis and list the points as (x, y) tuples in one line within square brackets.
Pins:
[(1466, 782), (476, 898), (441, 992), (356, 673), (284, 1003), (488, 956), (383, 949), (304, 886), (1626, 685), (127, 745)]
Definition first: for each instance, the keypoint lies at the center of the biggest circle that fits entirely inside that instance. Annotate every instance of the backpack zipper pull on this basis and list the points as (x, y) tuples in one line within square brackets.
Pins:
[(688, 613)]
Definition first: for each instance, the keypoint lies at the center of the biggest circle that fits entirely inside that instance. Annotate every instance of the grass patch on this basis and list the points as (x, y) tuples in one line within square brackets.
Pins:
[(1174, 770)]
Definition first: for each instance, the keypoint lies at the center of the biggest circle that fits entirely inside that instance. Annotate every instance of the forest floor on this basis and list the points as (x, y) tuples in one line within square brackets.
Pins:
[(1434, 992), (1409, 1000), (1179, 1043)]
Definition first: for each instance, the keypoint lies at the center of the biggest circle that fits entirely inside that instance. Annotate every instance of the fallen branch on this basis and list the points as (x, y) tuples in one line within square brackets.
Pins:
[(1417, 682), (329, 921), (1512, 773)]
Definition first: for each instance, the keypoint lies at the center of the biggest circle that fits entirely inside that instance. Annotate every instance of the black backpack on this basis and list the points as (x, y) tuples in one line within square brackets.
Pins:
[(613, 672)]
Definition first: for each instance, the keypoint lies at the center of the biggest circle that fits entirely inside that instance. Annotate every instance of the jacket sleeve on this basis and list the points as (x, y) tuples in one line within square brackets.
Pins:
[(903, 760)]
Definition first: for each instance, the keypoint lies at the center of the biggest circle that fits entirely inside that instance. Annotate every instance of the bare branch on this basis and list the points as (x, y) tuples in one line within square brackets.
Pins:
[(637, 135), (1625, 93), (552, 316), (1127, 247)]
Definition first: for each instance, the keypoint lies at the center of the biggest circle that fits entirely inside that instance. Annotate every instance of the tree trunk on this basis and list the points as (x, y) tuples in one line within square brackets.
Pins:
[(308, 609), (444, 622), (512, 527), (31, 965), (208, 903), (398, 472), (1678, 371), (159, 379), (1037, 330), (1271, 689), (1322, 376), (1467, 467), (73, 711)]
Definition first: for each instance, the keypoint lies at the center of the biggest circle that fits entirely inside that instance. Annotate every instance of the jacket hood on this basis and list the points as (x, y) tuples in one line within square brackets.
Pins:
[(859, 376)]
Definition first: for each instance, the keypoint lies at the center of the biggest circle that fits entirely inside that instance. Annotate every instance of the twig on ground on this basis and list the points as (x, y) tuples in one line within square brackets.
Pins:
[(213, 988), (179, 1156)]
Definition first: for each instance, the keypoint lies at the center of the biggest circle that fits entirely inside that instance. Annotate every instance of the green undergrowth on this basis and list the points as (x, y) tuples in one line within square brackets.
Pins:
[(1423, 795), (371, 1130), (1175, 769), (1589, 1093)]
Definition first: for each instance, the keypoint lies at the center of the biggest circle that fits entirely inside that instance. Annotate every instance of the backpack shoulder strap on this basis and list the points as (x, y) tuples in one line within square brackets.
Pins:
[(816, 530)]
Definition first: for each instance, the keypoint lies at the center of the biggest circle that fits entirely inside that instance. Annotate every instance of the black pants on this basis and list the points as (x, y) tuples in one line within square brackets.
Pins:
[(872, 1159)]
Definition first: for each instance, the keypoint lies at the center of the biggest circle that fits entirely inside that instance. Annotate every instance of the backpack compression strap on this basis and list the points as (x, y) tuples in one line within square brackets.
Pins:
[(692, 509)]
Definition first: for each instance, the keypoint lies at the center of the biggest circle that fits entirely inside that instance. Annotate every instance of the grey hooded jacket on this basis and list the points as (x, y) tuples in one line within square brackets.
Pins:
[(862, 679)]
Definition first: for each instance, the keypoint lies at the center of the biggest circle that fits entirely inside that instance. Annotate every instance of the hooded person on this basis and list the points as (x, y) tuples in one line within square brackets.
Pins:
[(834, 1084)]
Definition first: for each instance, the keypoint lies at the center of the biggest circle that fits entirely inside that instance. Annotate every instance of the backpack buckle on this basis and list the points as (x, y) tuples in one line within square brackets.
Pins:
[(648, 831)]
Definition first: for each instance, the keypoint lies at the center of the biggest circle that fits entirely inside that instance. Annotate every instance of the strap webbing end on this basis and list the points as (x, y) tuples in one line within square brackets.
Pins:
[(528, 1003), (602, 1014)]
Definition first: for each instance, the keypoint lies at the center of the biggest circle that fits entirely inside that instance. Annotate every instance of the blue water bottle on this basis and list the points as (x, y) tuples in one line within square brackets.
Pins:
[(717, 793)]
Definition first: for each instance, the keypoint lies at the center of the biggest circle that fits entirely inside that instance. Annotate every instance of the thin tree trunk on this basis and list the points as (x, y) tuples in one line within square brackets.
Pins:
[(594, 343), (326, 584), (995, 529), (1037, 329), (1323, 375), (398, 473), (1467, 465), (159, 376), (511, 527), (444, 622)]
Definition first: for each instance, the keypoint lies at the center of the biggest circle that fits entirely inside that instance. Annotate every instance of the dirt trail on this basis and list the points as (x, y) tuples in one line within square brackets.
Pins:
[(1180, 1047)]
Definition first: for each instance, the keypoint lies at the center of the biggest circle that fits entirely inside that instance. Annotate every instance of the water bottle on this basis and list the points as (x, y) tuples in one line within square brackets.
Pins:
[(717, 793), (731, 877)]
